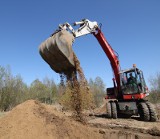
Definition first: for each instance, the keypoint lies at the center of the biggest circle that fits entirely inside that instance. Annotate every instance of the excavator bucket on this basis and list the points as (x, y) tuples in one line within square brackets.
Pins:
[(57, 52)]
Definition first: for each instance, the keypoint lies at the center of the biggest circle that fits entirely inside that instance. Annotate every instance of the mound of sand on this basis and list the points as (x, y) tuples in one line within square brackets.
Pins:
[(34, 120)]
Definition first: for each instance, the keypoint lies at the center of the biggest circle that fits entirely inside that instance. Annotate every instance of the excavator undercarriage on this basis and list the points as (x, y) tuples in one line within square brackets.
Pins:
[(126, 109)]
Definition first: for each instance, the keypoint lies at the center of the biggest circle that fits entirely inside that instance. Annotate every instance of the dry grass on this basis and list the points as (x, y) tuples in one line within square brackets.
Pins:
[(2, 114)]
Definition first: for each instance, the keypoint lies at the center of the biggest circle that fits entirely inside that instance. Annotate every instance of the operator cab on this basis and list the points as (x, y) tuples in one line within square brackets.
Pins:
[(132, 81)]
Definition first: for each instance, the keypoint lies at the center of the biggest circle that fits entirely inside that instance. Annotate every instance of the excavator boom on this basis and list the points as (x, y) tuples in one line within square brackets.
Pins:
[(110, 54), (57, 50)]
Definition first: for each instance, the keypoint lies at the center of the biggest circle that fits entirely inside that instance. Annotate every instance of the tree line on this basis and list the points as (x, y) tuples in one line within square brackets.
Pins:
[(13, 91)]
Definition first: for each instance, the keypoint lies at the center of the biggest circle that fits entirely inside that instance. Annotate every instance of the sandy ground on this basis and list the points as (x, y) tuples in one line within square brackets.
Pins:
[(132, 125), (32, 120)]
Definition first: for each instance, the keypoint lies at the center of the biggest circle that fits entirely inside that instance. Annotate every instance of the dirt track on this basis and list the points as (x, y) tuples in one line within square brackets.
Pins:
[(31, 120)]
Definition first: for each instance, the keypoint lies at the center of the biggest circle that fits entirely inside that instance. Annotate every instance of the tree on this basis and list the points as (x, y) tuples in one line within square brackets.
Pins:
[(45, 91), (97, 87), (52, 89), (11, 89), (38, 91), (155, 88), (155, 82)]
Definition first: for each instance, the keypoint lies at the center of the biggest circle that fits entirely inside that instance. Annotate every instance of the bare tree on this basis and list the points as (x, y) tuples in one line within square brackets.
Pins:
[(97, 88), (155, 88)]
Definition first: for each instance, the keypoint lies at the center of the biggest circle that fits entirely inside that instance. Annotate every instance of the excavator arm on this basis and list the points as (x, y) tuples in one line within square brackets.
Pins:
[(111, 56), (57, 50), (88, 27)]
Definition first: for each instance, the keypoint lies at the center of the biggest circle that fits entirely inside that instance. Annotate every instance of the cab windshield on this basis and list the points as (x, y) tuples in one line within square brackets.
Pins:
[(132, 82)]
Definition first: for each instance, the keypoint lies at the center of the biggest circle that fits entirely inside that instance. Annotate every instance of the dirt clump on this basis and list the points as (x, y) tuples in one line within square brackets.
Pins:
[(154, 131)]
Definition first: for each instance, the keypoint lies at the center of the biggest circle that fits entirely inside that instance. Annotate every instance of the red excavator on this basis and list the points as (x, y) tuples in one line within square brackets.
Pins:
[(128, 95)]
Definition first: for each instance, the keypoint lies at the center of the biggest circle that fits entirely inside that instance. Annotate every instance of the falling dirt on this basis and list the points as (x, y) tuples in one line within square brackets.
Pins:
[(76, 81)]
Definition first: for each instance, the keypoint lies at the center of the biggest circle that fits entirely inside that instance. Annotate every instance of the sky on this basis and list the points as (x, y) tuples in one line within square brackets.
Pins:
[(131, 27)]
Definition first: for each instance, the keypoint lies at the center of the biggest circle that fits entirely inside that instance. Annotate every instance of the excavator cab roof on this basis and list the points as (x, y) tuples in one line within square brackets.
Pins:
[(131, 70)]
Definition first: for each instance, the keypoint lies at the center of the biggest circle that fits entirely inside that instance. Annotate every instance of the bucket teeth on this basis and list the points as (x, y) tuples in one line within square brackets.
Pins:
[(57, 52)]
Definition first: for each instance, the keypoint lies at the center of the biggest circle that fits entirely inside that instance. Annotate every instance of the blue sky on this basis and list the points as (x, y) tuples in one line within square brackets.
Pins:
[(131, 27)]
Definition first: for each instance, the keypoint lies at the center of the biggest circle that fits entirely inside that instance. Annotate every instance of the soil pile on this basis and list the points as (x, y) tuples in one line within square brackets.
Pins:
[(32, 120)]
